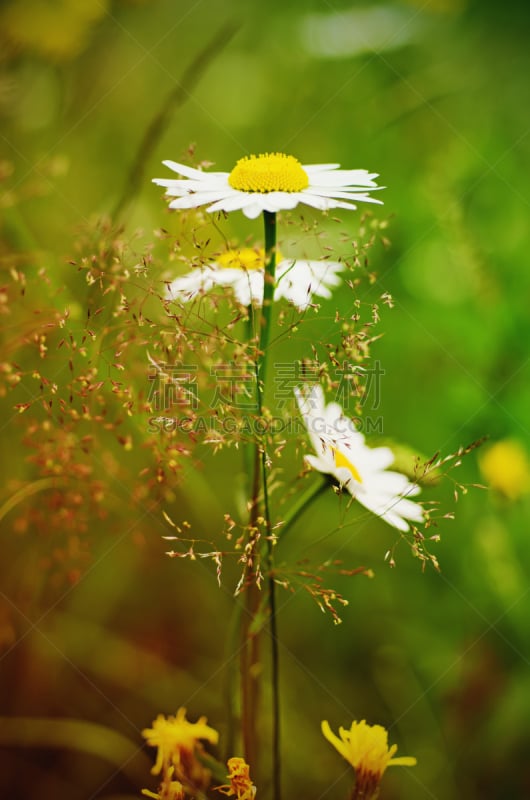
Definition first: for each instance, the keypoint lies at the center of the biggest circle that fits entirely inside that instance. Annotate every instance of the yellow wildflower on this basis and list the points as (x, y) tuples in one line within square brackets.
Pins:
[(168, 790), (365, 747), (179, 745), (240, 784), (506, 468)]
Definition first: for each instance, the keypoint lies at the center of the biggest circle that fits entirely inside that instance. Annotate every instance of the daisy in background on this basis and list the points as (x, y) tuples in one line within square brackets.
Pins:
[(269, 182), (297, 281), (362, 470)]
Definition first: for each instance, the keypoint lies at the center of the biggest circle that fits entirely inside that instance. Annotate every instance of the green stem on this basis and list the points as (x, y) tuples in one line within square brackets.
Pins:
[(265, 327), (268, 294), (239, 636), (250, 635), (296, 510), (249, 654), (247, 444), (301, 504), (230, 679), (275, 676)]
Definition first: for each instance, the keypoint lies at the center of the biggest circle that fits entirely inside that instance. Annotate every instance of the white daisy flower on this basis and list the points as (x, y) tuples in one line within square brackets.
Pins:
[(362, 470), (269, 182), (297, 281)]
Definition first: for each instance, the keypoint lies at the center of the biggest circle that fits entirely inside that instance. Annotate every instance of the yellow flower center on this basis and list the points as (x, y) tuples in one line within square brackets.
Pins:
[(269, 172), (342, 461), (246, 258)]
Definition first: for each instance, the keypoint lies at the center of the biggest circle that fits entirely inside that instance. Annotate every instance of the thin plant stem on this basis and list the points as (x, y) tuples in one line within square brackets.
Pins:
[(275, 655), (250, 630), (249, 652), (249, 656), (160, 122), (266, 316), (247, 445), (303, 502), (230, 683), (268, 293)]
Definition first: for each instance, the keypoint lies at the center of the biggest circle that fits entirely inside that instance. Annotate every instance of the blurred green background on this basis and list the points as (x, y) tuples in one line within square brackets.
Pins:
[(96, 623)]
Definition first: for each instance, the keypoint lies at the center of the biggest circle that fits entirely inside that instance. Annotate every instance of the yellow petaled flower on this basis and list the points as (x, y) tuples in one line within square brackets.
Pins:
[(242, 271), (269, 182), (240, 784), (178, 742), (168, 790), (365, 747), (506, 468)]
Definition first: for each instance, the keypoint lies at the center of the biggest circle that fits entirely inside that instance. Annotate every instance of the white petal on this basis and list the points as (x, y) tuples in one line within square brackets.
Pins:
[(189, 201), (321, 291), (190, 172), (311, 169), (320, 464), (208, 195), (361, 198), (381, 457), (294, 283), (373, 504), (390, 483), (249, 287), (395, 520), (345, 178), (333, 413), (186, 287), (189, 185), (252, 210), (409, 510), (279, 201), (310, 401), (340, 194), (316, 201), (230, 202)]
